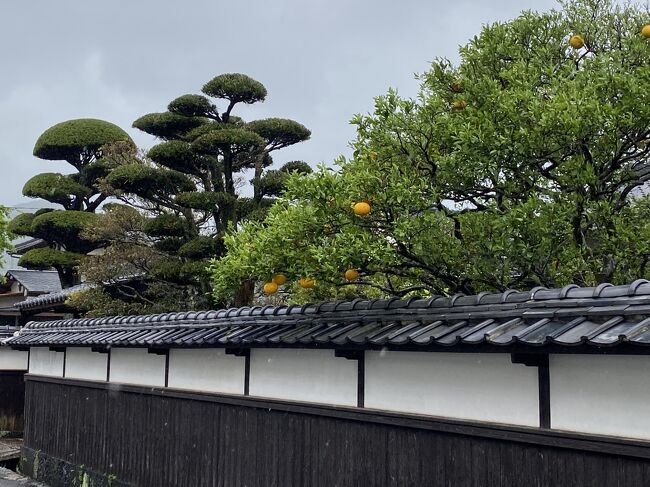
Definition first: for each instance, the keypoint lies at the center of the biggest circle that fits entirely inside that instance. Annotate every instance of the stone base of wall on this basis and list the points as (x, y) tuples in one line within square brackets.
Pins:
[(59, 473)]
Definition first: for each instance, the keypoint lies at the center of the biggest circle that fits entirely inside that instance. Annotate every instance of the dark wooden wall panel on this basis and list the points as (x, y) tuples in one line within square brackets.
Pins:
[(153, 440), (12, 400)]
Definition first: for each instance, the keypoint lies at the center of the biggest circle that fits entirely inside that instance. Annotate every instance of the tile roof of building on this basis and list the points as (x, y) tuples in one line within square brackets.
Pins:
[(7, 331), (598, 317), (28, 243), (49, 299), (36, 281)]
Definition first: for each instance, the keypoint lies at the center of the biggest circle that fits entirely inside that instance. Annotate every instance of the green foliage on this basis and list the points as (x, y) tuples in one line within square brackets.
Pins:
[(279, 132), (206, 129), (166, 225), (168, 270), (147, 181), (512, 169), (250, 209), (55, 188), (191, 106), (171, 244), (233, 122), (232, 141), (273, 183), (21, 224), (296, 166), (168, 125), (207, 201), (194, 270), (235, 87), (200, 247), (5, 243), (177, 155), (83, 143), (65, 227), (186, 189), (67, 140), (47, 258), (97, 302), (42, 211), (158, 297), (90, 173)]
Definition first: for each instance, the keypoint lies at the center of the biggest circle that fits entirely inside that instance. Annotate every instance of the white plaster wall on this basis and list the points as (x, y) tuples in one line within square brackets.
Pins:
[(482, 387), (13, 359), (83, 363), (44, 362), (602, 394), (137, 366), (210, 370), (303, 375)]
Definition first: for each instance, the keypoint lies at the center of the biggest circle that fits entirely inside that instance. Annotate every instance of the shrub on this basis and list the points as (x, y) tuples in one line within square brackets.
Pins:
[(54, 187), (235, 87), (66, 140), (46, 258)]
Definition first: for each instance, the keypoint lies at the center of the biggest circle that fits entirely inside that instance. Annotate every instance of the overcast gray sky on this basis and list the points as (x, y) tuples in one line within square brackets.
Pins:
[(321, 61)]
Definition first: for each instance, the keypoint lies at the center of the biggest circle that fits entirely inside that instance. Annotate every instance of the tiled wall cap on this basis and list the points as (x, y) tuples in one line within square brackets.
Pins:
[(480, 296), (412, 300), (455, 298), (565, 290), (377, 304), (463, 300), (600, 288), (637, 285), (395, 303), (280, 311), (255, 311), (535, 290), (506, 293), (267, 310)]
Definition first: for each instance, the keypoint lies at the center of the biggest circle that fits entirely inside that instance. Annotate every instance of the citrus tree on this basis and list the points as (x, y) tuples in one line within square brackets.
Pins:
[(521, 165)]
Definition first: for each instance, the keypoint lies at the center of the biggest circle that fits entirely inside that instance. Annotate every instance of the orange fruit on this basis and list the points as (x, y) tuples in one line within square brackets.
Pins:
[(352, 274), (459, 105), (362, 208), (279, 279), (374, 156), (645, 32), (306, 282), (270, 288), (576, 42)]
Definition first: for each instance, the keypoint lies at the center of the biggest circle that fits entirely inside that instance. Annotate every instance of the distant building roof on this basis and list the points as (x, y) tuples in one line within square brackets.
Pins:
[(7, 331), (36, 281), (23, 245), (569, 319), (50, 299)]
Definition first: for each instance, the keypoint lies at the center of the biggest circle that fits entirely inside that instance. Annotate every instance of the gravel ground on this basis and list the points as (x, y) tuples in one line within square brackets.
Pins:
[(12, 479)]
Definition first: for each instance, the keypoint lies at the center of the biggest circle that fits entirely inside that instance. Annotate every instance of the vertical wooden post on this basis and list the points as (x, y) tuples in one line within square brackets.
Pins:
[(247, 372), (361, 379), (544, 381), (167, 368), (108, 366), (539, 360)]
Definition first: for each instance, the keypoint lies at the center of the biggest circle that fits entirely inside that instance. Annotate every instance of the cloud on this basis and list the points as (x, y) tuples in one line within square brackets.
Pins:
[(321, 61)]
